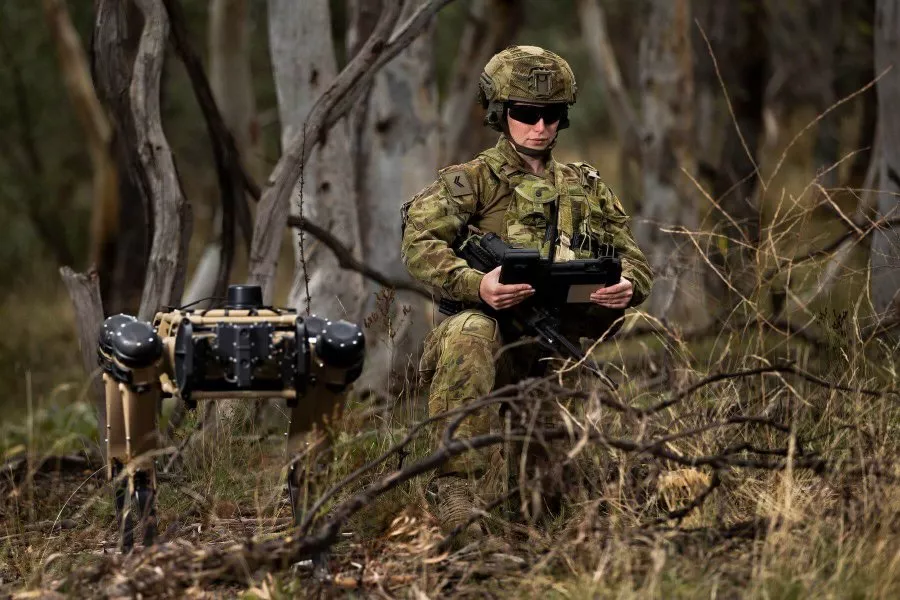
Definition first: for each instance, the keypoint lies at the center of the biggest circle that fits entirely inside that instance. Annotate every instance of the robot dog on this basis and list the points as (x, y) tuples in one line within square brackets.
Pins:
[(242, 350)]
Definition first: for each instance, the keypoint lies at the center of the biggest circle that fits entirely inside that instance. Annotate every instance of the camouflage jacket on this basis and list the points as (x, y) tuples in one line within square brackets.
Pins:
[(496, 192)]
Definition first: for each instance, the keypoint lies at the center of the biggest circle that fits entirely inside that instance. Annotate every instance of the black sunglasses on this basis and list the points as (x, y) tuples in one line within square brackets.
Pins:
[(528, 114)]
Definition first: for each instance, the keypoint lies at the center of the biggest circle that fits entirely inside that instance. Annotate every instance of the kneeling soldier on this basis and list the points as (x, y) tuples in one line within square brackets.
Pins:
[(519, 192)]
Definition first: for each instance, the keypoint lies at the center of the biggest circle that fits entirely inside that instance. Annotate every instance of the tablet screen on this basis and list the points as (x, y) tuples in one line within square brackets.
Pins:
[(581, 292)]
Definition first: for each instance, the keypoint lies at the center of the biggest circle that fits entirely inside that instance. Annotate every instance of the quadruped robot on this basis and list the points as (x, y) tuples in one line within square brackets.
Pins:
[(241, 350)]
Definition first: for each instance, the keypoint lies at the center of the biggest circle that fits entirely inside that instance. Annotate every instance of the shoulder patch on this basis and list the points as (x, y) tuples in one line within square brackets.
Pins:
[(457, 182), (588, 173), (589, 177)]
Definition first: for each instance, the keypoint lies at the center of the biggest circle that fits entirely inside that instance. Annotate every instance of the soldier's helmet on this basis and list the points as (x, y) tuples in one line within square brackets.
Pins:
[(525, 74)]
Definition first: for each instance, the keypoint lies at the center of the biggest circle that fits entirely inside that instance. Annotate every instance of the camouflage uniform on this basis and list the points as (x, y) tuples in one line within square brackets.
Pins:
[(497, 192)]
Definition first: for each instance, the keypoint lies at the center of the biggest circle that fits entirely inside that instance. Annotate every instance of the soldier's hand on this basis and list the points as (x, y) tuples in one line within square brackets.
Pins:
[(500, 295), (614, 296)]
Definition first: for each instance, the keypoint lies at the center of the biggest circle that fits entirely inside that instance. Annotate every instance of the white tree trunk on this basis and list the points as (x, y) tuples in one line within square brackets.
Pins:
[(304, 65), (398, 151), (667, 103), (885, 257)]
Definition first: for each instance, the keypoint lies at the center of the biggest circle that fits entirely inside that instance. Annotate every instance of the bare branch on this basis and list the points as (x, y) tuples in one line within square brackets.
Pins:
[(346, 260), (171, 213), (678, 397), (236, 561), (399, 39), (274, 204)]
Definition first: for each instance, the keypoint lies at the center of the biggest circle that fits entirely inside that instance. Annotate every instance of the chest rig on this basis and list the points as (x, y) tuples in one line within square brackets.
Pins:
[(568, 198)]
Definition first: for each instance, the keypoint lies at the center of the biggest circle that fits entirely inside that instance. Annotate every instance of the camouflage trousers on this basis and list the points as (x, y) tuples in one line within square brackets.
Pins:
[(460, 363)]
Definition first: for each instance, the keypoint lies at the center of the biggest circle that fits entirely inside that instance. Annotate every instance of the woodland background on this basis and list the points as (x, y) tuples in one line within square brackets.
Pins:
[(753, 143)]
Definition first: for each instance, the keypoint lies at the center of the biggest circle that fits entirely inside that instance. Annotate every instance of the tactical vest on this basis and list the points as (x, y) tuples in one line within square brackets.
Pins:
[(584, 213)]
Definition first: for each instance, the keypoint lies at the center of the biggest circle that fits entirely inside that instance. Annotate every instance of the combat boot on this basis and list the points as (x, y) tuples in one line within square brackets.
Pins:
[(454, 499), (304, 485)]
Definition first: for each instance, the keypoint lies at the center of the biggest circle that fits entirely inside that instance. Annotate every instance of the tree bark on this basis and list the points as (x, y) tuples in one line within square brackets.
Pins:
[(667, 149), (123, 263), (230, 77), (171, 213), (84, 291), (885, 256), (276, 200)]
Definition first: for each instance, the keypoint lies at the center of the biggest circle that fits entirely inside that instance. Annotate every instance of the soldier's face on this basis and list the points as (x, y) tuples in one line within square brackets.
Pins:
[(536, 135)]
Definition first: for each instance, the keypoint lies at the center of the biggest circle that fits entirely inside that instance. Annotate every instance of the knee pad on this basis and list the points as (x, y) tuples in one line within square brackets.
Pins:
[(479, 325)]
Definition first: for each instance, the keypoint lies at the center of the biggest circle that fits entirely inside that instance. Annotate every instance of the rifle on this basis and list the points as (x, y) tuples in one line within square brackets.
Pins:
[(555, 285)]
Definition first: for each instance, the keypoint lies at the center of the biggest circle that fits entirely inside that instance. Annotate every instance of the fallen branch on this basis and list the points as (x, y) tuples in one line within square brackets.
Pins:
[(499, 395), (862, 231), (678, 397), (43, 528), (18, 469), (187, 565)]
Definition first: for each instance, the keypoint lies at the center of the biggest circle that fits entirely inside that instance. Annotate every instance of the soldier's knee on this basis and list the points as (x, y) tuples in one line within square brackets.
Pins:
[(458, 363)]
